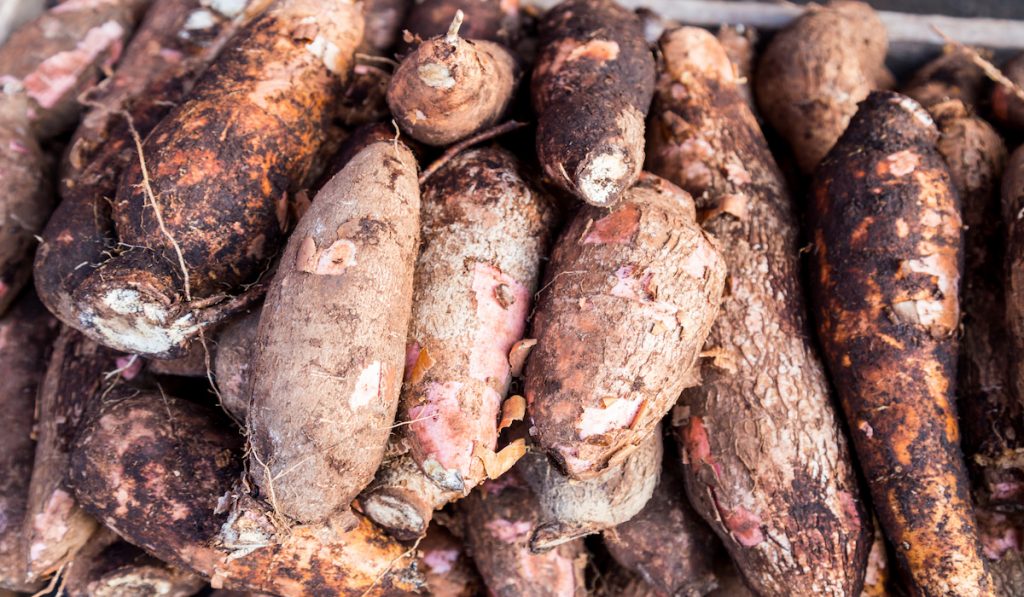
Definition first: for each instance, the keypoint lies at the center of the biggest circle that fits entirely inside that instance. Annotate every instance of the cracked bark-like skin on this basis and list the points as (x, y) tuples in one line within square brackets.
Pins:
[(110, 567), (160, 472), (667, 543), (55, 527), (447, 566), (815, 71), (233, 362), (886, 227), (991, 418), (491, 20), (572, 508), (484, 244), (1006, 107), (449, 88), (330, 350), (26, 198), (160, 66), (499, 517), (25, 335), (740, 45), (592, 85), (629, 300), (762, 445), (221, 166), (62, 53)]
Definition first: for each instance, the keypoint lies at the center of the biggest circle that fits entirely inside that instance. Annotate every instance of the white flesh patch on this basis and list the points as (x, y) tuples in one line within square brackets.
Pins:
[(601, 177), (436, 75), (199, 20), (138, 326), (327, 51), (228, 8), (392, 513)]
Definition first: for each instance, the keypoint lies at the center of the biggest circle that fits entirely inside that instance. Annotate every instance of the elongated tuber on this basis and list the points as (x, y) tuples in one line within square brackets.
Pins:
[(499, 517), (449, 88), (25, 336), (210, 207), (55, 527), (594, 388), (331, 341), (486, 228), (592, 85), (748, 471), (667, 543), (813, 73), (181, 507), (886, 227)]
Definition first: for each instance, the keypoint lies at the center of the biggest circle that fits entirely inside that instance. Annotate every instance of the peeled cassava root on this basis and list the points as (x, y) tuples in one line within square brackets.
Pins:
[(171, 49), (591, 87), (183, 508), (331, 341), (573, 508), (483, 247), (25, 336), (449, 88), (888, 260), (813, 73), (629, 299), (992, 418), (210, 208), (746, 478), (498, 518)]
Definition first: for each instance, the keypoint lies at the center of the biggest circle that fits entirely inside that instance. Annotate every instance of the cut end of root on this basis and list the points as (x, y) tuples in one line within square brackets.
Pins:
[(400, 518), (552, 534), (603, 178), (135, 321)]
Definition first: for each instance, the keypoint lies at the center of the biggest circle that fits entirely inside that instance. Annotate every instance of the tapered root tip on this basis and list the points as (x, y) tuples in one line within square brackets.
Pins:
[(401, 518), (453, 29), (552, 534)]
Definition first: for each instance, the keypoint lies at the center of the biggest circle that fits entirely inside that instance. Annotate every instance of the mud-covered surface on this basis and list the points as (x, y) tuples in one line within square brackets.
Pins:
[(592, 85), (483, 247), (331, 343), (888, 259), (26, 199), (1006, 106), (667, 544), (628, 301), (78, 373), (449, 88), (491, 20), (813, 73), (62, 53), (574, 508), (498, 518), (25, 335), (763, 449)]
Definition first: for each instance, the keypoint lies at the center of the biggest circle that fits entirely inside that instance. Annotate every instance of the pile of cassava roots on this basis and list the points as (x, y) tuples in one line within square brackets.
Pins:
[(465, 297)]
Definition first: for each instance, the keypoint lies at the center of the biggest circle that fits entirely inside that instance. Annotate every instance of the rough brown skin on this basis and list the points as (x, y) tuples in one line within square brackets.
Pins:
[(26, 198), (592, 85), (233, 361), (740, 45), (159, 471), (886, 226), (77, 375), (331, 341), (667, 543), (161, 64), (571, 509), (762, 446), (383, 25), (25, 336), (491, 20), (365, 97), (991, 418), (483, 248), (1009, 415), (191, 364), (594, 389), (446, 565), (449, 88), (813, 73), (109, 567), (1006, 106), (248, 135), (62, 53), (499, 517)]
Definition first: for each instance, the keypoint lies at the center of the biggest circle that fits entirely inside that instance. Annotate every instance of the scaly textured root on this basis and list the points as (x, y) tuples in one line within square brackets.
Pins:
[(887, 247), (751, 481), (592, 86)]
